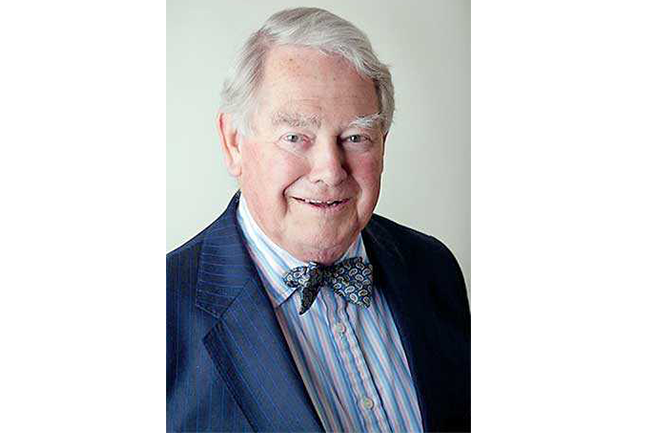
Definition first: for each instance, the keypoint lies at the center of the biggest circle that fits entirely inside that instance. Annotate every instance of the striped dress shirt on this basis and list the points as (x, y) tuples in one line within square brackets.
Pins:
[(350, 358)]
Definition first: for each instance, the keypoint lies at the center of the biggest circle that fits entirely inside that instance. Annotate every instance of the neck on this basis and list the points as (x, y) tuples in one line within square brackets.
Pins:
[(324, 257)]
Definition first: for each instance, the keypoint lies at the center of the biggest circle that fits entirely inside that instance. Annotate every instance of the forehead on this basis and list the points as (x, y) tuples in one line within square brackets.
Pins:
[(299, 79)]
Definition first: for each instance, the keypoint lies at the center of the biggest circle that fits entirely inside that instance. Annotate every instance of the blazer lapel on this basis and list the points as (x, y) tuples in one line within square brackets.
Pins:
[(393, 278), (246, 344)]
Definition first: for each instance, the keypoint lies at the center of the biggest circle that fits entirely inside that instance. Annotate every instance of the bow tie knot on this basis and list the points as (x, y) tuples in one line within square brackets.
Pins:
[(350, 278)]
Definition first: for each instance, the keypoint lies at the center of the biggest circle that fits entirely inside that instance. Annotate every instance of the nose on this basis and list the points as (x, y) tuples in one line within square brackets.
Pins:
[(328, 164)]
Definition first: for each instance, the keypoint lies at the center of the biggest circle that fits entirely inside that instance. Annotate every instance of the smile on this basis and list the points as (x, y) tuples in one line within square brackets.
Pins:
[(323, 204)]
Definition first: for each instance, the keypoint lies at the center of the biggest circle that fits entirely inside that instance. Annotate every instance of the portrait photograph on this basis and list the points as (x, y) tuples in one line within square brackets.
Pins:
[(318, 216)]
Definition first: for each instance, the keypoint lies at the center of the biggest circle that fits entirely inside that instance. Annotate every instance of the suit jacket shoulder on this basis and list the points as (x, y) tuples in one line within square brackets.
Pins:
[(183, 262), (428, 260), (409, 242)]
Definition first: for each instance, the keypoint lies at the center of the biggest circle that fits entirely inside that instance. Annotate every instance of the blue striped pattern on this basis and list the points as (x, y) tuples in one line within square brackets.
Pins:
[(351, 359), (197, 398)]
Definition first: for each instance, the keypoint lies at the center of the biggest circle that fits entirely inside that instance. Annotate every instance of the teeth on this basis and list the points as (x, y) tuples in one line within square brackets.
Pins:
[(329, 203)]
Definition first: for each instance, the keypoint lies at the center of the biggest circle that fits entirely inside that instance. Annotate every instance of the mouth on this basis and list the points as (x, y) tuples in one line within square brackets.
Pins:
[(323, 204)]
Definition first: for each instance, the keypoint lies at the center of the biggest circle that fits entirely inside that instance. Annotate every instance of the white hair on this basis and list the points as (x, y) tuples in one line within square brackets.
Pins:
[(308, 27)]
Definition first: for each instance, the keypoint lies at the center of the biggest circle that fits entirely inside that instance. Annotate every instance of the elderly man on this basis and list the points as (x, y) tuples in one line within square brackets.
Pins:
[(298, 309)]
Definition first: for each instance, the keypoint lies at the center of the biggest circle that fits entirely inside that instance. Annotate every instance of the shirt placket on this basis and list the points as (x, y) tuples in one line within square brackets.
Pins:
[(365, 393)]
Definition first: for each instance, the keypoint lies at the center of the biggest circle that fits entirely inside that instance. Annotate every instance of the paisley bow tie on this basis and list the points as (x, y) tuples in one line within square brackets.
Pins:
[(350, 278)]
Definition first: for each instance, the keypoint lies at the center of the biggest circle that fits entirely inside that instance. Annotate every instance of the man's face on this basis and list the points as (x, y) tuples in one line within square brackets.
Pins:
[(311, 174)]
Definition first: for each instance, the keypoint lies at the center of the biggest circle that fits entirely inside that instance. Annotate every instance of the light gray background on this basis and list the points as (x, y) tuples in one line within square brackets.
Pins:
[(426, 181)]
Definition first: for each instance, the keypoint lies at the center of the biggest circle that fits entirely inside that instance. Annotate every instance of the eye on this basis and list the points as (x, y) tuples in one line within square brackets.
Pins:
[(293, 138), (356, 138)]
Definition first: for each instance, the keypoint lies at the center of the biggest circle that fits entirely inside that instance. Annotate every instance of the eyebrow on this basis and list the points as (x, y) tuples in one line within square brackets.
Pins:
[(295, 120), (367, 122)]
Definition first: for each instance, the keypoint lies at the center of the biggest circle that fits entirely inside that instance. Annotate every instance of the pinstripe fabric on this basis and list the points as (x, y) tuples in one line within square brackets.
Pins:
[(197, 398), (350, 359)]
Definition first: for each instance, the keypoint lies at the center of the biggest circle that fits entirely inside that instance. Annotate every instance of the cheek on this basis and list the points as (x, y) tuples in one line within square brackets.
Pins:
[(367, 172), (289, 168), (272, 169)]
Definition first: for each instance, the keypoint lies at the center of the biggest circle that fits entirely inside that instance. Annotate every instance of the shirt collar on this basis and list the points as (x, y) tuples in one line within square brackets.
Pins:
[(272, 261)]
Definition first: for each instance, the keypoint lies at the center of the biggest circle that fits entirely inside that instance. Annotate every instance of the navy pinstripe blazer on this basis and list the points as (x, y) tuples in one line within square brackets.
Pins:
[(230, 369)]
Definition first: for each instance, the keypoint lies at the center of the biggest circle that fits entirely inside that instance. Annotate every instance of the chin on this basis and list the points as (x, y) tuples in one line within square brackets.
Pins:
[(327, 247)]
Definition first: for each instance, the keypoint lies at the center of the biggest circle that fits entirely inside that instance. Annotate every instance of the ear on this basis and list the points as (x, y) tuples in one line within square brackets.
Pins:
[(230, 143), (383, 150)]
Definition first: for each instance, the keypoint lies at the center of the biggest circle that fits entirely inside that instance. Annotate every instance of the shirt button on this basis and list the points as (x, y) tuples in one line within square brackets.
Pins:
[(367, 403), (339, 328)]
